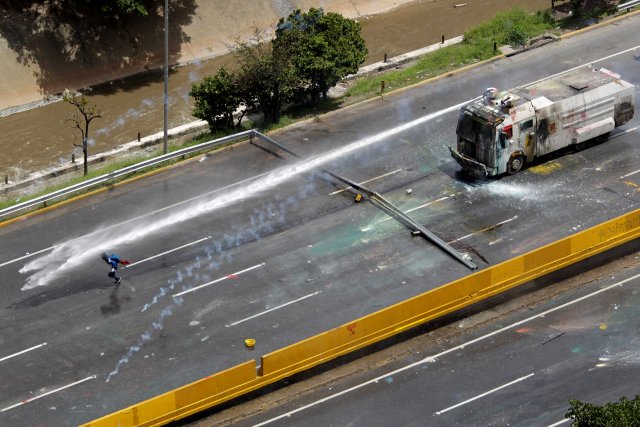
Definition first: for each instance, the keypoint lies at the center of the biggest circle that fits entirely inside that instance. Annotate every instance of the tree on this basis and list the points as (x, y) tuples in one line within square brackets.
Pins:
[(325, 47), (81, 119), (216, 100), (311, 52), (625, 413), (107, 9), (266, 75), (590, 8)]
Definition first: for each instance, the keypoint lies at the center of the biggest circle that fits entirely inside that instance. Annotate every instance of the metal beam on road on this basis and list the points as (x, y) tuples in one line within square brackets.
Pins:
[(386, 206)]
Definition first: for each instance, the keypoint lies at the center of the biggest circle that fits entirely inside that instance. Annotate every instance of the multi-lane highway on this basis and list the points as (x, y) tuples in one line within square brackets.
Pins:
[(517, 364), (249, 243)]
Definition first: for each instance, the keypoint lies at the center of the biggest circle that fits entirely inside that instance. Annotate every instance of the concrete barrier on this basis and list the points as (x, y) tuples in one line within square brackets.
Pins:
[(243, 378)]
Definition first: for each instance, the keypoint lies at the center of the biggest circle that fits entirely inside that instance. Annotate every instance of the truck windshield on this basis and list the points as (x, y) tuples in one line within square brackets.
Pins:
[(474, 129)]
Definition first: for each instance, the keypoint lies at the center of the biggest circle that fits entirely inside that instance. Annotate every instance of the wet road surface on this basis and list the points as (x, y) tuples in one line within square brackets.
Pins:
[(271, 252)]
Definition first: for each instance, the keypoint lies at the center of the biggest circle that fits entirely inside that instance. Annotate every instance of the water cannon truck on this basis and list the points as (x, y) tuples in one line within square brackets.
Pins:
[(502, 131)]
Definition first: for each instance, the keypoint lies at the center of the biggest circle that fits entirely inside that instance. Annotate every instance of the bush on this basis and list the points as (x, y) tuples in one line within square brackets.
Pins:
[(216, 100), (625, 413), (324, 48), (513, 27)]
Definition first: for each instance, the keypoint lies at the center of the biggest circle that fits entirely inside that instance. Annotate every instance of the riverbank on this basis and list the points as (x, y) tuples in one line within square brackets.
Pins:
[(201, 127), (38, 139), (38, 71)]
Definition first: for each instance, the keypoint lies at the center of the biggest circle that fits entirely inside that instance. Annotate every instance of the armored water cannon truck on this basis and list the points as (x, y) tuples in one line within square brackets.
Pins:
[(504, 130)]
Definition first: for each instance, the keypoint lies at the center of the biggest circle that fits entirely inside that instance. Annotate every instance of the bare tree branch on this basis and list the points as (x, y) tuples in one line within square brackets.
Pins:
[(81, 119)]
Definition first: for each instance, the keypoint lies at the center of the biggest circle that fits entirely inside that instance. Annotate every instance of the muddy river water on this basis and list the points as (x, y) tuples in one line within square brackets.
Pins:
[(39, 138)]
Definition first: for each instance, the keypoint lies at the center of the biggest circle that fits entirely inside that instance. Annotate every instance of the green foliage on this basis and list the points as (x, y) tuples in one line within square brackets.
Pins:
[(96, 8), (516, 36), (266, 76), (311, 52), (585, 9), (324, 47), (431, 65), (513, 27), (625, 413), (216, 99), (125, 7), (507, 27)]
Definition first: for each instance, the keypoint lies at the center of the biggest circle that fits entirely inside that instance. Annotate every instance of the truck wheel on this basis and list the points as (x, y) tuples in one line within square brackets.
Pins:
[(514, 165)]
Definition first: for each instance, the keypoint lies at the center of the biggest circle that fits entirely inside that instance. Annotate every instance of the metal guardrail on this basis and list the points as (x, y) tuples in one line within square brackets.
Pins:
[(121, 172), (628, 5)]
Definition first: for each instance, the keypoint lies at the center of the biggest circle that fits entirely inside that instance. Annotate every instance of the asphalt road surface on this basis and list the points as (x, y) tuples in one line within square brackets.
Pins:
[(520, 367), (249, 243)]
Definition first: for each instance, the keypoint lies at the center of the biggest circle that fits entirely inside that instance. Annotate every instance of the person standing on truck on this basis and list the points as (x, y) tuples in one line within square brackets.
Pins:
[(113, 260)]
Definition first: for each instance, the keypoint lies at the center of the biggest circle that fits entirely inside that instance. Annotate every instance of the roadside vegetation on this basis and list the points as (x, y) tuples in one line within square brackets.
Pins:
[(624, 413), (513, 28), (80, 120), (308, 54), (311, 53)]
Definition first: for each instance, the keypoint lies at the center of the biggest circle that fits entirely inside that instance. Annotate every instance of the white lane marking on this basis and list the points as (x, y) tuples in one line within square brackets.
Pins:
[(604, 58), (482, 230), (629, 174), (35, 347), (622, 133), (388, 218), (168, 252), (566, 420), (367, 181), (274, 308), (431, 359), (229, 276), (429, 203), (31, 399), (138, 217), (486, 393), (29, 255)]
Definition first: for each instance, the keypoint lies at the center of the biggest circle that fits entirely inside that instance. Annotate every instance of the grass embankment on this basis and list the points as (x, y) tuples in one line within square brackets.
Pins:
[(112, 165), (514, 28)]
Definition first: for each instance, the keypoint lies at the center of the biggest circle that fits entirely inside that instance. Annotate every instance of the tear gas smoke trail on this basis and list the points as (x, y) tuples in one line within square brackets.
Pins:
[(49, 266), (145, 337), (262, 221)]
